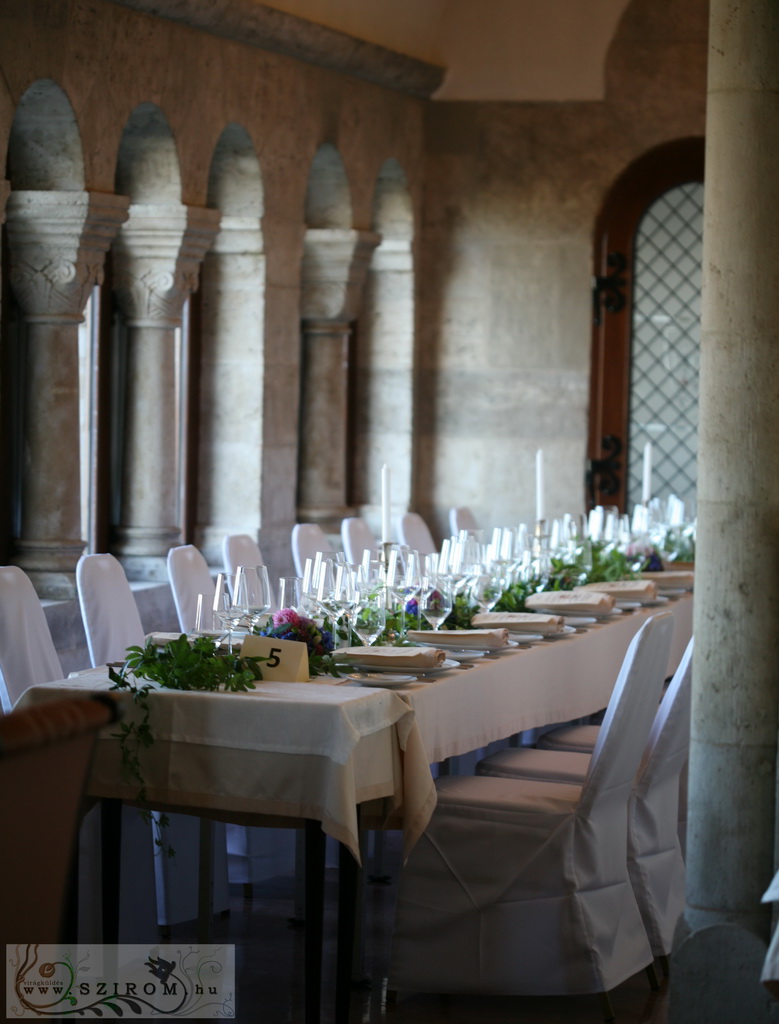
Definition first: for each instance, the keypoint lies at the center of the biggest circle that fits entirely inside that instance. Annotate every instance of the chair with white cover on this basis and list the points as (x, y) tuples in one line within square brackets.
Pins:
[(240, 549), (521, 887), (307, 540), (414, 532), (189, 576), (461, 518), (357, 538), (27, 652), (655, 856), (112, 624)]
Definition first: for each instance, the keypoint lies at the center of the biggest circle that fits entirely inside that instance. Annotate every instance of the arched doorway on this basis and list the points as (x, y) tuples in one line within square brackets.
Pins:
[(643, 277)]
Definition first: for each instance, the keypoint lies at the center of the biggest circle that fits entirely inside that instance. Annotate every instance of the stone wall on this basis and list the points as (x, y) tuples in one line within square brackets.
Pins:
[(512, 193)]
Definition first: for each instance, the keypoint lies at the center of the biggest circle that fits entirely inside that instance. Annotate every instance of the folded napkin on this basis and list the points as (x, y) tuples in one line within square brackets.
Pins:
[(626, 590), (522, 622), (578, 602), (398, 657), (460, 637), (671, 578)]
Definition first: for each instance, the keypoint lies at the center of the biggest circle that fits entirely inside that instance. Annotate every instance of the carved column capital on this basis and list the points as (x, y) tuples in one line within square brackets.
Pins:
[(58, 241), (335, 265), (158, 254)]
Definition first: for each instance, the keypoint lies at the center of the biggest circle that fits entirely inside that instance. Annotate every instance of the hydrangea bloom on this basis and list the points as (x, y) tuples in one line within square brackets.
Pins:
[(289, 625)]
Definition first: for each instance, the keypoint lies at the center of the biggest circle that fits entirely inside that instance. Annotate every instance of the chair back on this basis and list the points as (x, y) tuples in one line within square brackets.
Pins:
[(189, 576), (240, 549), (110, 615), (631, 710), (307, 539), (357, 537), (461, 518), (27, 652), (414, 533), (45, 753)]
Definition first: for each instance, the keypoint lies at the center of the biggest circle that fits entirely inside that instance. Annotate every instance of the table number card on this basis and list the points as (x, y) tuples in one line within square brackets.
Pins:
[(287, 659)]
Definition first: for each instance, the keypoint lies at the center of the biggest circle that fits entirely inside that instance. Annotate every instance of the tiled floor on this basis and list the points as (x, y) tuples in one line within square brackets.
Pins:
[(269, 966)]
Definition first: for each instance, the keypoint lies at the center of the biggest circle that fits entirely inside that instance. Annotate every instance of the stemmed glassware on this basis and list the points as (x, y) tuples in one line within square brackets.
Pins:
[(290, 592), (370, 612), (435, 600), (487, 589), (253, 593), (225, 608), (345, 596)]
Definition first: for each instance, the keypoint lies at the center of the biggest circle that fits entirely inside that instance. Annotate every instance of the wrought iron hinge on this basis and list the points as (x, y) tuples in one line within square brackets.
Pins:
[(606, 469), (608, 289)]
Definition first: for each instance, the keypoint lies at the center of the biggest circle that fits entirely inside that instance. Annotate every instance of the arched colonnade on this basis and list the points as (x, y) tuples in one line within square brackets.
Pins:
[(145, 370)]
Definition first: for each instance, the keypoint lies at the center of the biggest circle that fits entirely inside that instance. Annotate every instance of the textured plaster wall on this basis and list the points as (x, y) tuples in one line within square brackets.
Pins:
[(504, 308)]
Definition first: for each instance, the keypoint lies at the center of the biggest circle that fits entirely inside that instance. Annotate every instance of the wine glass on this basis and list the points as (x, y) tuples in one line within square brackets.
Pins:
[(486, 590), (254, 593), (435, 600), (344, 598), (370, 613), (290, 592), (226, 610)]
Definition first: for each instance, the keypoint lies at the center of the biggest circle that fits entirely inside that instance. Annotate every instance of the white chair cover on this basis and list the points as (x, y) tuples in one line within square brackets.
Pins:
[(240, 549), (356, 537), (461, 518), (307, 539), (27, 653), (414, 533), (189, 576), (655, 856), (112, 624), (110, 615), (521, 887)]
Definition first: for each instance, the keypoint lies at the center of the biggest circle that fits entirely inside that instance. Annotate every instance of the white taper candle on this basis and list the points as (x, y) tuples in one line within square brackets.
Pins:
[(540, 512), (646, 486), (386, 502)]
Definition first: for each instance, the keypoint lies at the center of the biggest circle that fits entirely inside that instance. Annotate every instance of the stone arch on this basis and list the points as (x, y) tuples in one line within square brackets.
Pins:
[(234, 179), (147, 167), (44, 147), (328, 195), (393, 214)]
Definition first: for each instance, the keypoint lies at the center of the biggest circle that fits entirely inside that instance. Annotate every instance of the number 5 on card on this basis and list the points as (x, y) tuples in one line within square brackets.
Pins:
[(287, 659)]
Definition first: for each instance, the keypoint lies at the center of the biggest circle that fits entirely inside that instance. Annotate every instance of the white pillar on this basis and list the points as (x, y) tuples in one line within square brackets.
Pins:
[(335, 264), (157, 260), (732, 790), (58, 242), (231, 387)]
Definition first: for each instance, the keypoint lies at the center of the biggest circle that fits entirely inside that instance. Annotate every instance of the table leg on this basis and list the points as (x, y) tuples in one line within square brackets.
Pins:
[(315, 904), (110, 857)]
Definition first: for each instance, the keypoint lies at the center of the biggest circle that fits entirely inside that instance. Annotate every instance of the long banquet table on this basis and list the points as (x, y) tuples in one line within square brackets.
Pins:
[(292, 752)]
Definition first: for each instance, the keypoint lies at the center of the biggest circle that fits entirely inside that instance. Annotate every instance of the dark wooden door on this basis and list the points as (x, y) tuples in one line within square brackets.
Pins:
[(653, 174)]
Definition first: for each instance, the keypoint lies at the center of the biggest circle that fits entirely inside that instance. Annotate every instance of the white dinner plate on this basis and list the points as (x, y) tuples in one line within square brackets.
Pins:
[(580, 621), (526, 638), (384, 679), (660, 599), (416, 672), (474, 647), (565, 631), (463, 656)]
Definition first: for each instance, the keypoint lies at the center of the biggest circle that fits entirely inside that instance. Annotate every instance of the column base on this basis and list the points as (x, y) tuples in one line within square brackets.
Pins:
[(50, 567), (149, 568), (328, 517), (715, 977)]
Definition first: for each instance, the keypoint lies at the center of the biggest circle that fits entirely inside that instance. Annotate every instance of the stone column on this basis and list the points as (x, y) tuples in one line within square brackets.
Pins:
[(58, 242), (335, 264), (157, 259), (384, 382), (231, 386), (732, 793)]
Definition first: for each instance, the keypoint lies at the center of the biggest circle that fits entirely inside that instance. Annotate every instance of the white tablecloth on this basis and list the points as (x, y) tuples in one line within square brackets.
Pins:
[(284, 750), (553, 681)]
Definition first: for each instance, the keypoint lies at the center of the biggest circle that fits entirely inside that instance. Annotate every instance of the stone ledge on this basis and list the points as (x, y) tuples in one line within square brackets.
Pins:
[(246, 21)]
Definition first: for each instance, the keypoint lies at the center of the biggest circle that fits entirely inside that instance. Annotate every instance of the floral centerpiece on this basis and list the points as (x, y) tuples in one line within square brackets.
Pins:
[(288, 624)]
